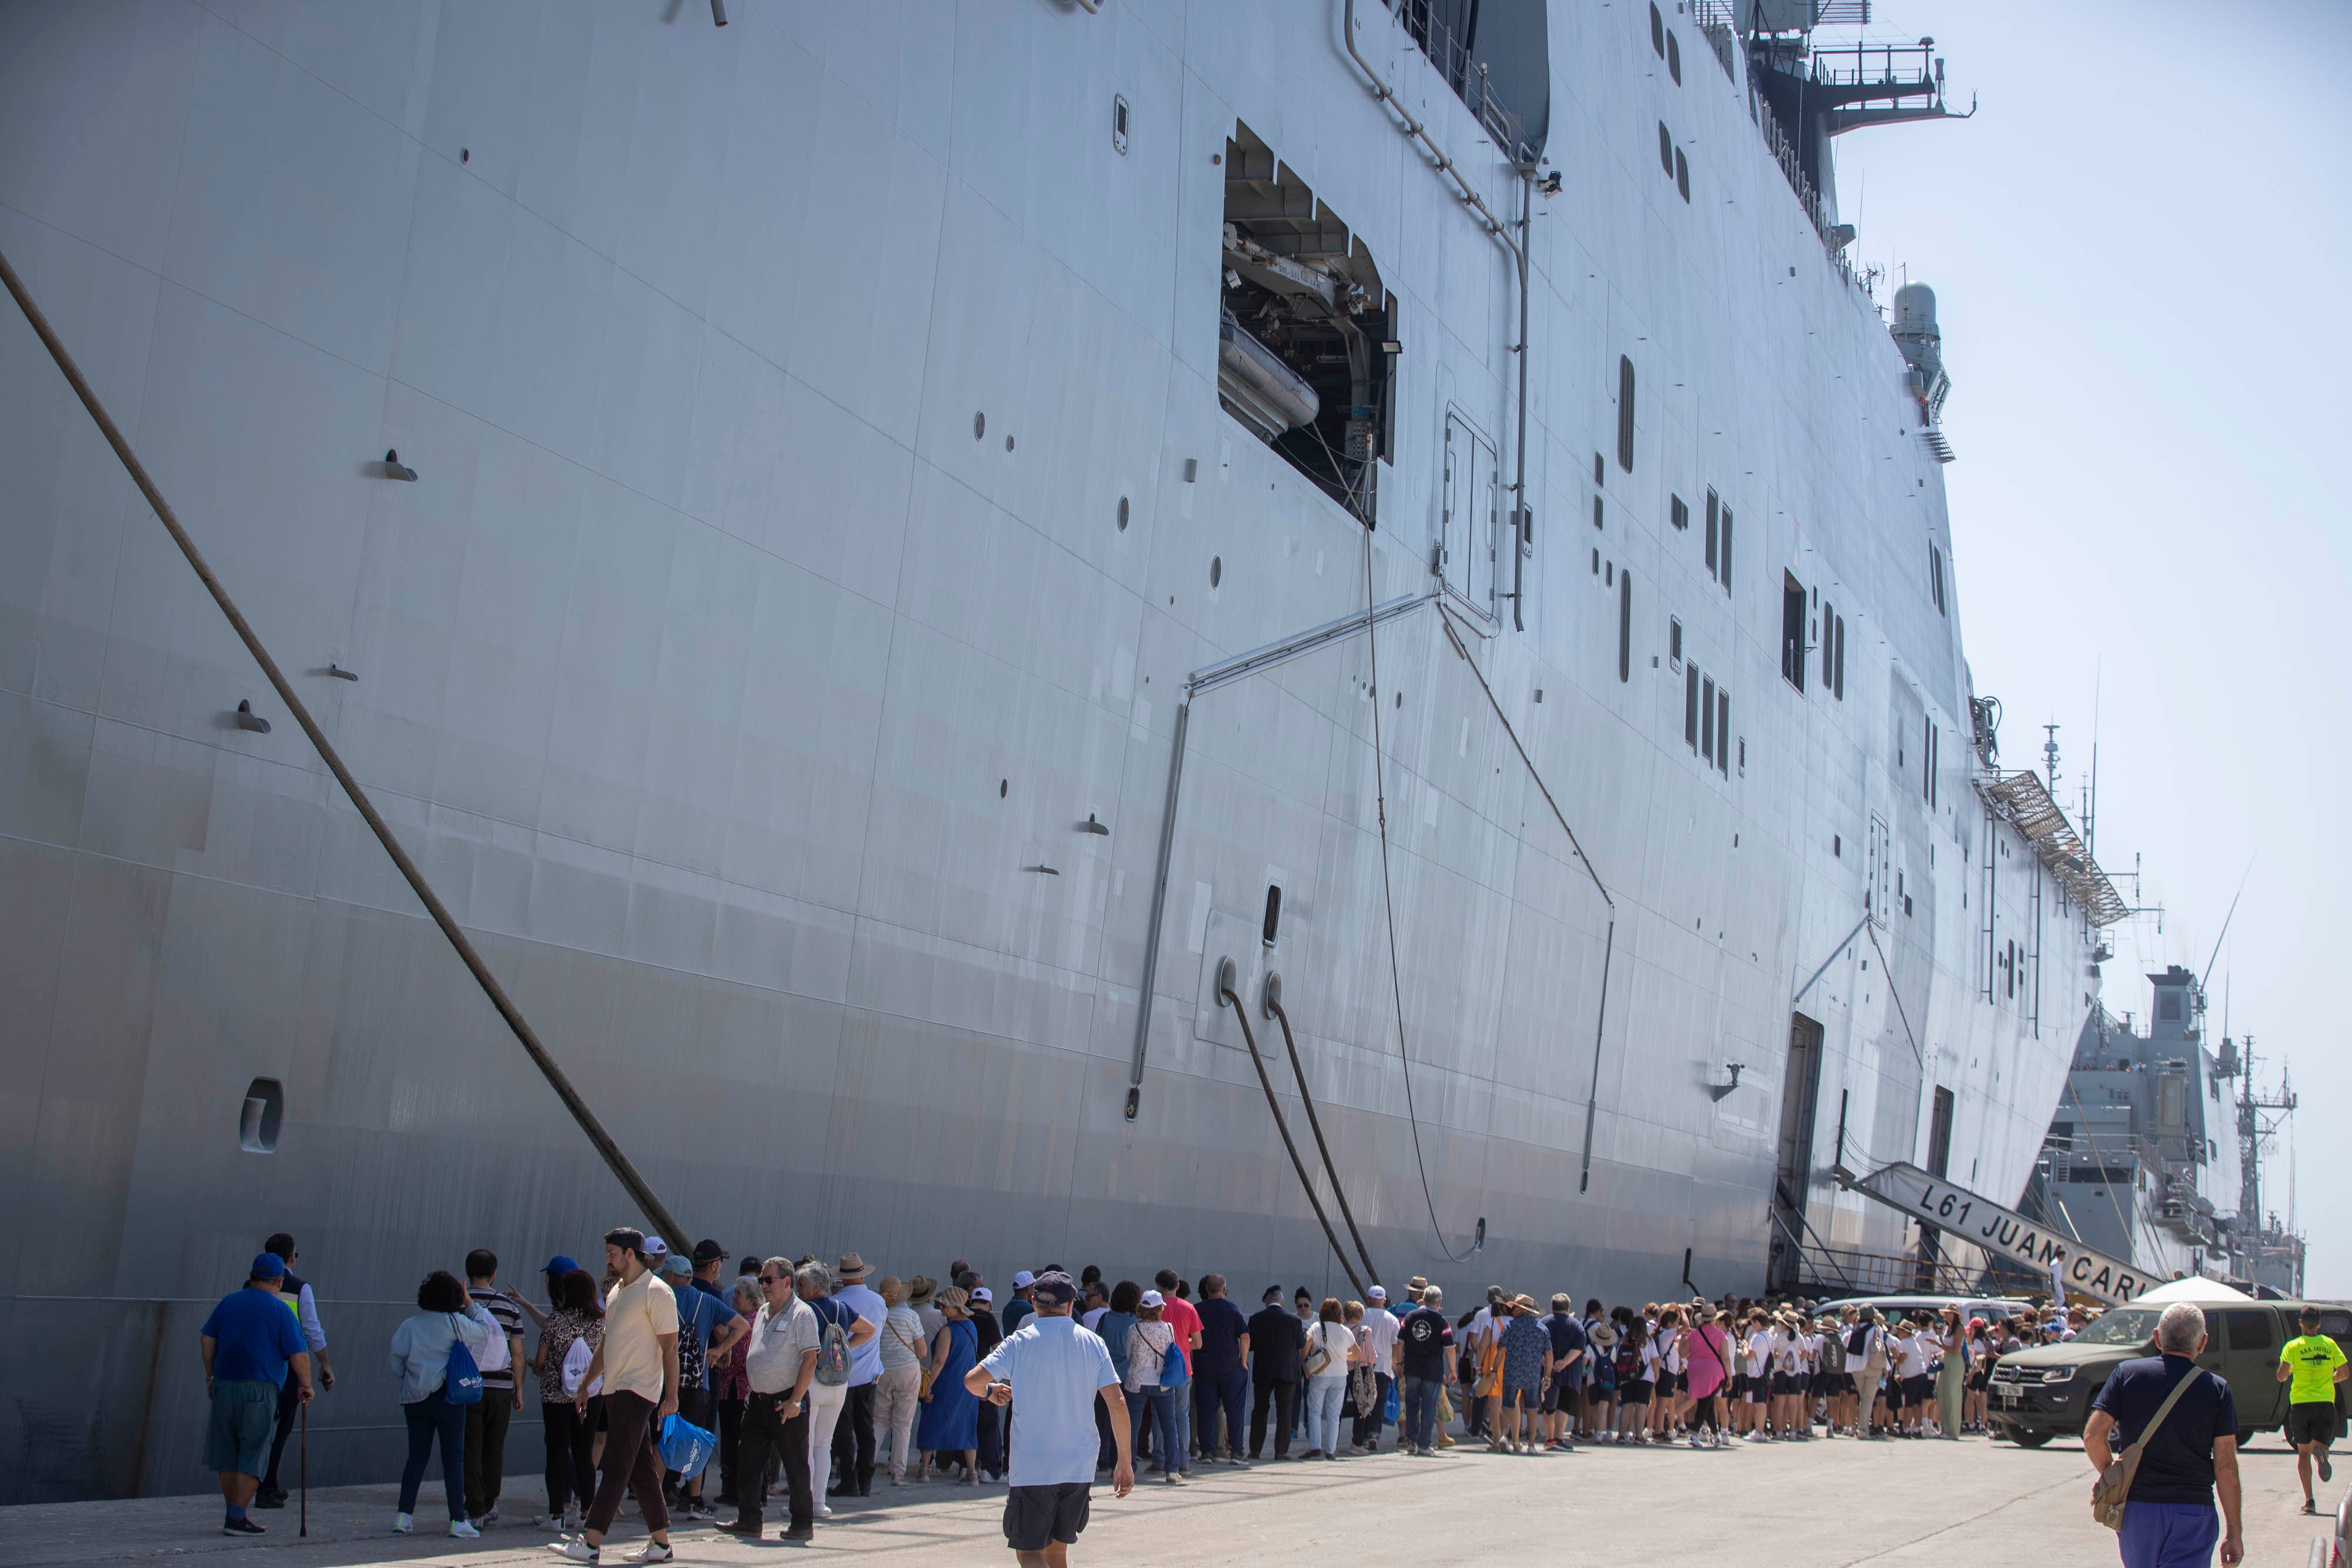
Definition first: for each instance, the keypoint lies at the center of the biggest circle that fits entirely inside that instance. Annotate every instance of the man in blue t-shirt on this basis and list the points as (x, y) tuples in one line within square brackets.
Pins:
[(1057, 1370), (1219, 1372), (1567, 1373), (249, 1344), (2168, 1519), (707, 1326)]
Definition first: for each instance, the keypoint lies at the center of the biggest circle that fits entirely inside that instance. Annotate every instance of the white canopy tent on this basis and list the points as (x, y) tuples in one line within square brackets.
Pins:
[(2195, 1288)]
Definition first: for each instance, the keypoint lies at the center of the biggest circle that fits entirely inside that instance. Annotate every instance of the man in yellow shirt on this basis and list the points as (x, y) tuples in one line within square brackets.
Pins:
[(2315, 1363)]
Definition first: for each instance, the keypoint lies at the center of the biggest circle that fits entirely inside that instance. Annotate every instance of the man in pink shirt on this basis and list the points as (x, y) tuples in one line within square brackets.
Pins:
[(1185, 1319)]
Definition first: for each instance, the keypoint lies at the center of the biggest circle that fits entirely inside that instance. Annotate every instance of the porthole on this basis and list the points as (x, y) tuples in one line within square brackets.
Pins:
[(1003, 785), (1008, 443), (1117, 123), (1216, 570), (979, 425), (1122, 514), (264, 1111)]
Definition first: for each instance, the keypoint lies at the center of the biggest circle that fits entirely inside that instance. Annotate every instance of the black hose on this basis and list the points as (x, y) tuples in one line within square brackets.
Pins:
[(1225, 997), (1314, 1123)]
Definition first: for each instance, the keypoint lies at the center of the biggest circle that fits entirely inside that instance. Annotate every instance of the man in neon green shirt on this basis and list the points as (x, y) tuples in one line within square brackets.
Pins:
[(2315, 1363)]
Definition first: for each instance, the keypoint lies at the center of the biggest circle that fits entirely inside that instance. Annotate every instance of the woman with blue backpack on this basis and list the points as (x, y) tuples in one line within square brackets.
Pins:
[(433, 1355)]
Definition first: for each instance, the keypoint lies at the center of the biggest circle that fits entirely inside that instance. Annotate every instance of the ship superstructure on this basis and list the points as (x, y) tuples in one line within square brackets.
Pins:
[(870, 557)]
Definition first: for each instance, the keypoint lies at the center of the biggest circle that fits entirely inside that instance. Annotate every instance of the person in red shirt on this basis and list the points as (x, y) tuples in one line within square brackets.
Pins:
[(1185, 1319)]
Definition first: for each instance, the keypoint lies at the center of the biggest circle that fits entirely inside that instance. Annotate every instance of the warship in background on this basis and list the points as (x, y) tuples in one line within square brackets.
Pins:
[(2154, 1155)]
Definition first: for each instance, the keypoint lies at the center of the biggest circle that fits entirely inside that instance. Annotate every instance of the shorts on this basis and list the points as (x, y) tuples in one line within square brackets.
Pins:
[(1919, 1390), (1977, 1383), (1759, 1388), (1562, 1398), (695, 1406), (1036, 1517), (2313, 1422), (1739, 1385), (244, 1419), (1523, 1399), (1786, 1382), (1675, 1383), (1635, 1393)]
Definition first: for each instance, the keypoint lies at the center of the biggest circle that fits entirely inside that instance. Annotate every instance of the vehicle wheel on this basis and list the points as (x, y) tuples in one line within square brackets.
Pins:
[(2030, 1440)]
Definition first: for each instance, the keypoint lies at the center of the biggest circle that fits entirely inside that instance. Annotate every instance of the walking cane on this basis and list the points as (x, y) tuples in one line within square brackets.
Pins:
[(302, 1471)]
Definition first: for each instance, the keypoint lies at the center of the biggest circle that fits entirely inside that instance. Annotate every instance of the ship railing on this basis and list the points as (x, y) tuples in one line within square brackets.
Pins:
[(1450, 56), (1875, 65), (1848, 1271), (1717, 26)]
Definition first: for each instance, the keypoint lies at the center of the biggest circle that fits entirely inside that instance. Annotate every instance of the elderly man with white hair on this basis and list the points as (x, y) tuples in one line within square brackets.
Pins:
[(2189, 1424)]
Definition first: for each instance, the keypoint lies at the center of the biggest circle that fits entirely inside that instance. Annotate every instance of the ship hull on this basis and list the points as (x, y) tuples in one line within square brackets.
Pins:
[(823, 496)]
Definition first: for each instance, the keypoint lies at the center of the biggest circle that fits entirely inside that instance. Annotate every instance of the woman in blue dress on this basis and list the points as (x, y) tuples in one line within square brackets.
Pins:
[(950, 1420)]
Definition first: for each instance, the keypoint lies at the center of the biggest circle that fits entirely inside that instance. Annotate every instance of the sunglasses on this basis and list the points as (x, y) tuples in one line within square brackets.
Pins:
[(776, 1279)]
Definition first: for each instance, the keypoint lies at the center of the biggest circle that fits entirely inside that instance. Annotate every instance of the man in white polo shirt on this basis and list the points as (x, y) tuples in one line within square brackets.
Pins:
[(1058, 1371), (1379, 1337)]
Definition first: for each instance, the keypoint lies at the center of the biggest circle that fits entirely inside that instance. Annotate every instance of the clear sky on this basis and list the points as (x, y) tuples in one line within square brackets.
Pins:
[(2138, 247)]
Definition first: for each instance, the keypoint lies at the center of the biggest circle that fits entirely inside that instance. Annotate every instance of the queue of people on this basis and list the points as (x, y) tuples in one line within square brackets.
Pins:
[(799, 1377)]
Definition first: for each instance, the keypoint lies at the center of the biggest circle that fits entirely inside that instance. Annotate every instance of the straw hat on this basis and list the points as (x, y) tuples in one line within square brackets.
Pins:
[(893, 1290), (852, 1268), (1602, 1337), (919, 1289)]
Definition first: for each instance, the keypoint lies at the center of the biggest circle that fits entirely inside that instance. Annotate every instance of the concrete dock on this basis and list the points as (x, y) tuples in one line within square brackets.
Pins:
[(1823, 1504)]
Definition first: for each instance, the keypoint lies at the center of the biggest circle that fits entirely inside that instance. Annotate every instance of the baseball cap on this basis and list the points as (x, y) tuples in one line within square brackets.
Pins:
[(656, 1249), (1022, 1279), (559, 1264), (1055, 1288), (1154, 1299), (267, 1266), (1376, 1294), (674, 1264), (979, 1293), (708, 1251)]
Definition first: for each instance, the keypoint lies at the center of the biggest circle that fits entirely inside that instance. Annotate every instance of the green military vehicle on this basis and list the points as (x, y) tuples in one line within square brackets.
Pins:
[(2047, 1392)]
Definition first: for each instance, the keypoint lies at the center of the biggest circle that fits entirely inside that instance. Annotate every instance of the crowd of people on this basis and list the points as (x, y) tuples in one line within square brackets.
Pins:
[(810, 1377)]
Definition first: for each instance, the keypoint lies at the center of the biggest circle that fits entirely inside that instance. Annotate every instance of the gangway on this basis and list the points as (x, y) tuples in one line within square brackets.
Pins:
[(1999, 1231)]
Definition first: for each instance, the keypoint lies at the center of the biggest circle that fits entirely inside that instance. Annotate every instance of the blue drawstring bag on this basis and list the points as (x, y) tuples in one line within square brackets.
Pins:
[(685, 1447), (1392, 1406), (464, 1384)]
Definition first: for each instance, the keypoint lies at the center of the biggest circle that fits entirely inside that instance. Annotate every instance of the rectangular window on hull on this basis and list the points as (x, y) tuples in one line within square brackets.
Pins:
[(1723, 574), (1707, 719), (1666, 147), (1839, 682), (1936, 576), (1690, 706), (1625, 413), (1678, 513), (1714, 509), (1674, 640), (1828, 646), (1723, 734), (1792, 631), (1939, 1133), (1682, 173), (1625, 627)]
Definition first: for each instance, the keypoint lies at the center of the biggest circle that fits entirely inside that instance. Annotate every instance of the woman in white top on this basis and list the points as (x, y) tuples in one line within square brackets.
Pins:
[(1757, 1355), (1331, 1349), (1666, 1404), (1911, 1350), (1150, 1343)]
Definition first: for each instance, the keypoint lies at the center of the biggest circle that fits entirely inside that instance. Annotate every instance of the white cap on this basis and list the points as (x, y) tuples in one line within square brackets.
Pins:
[(656, 1249), (1377, 1294), (1154, 1299), (979, 1293), (1022, 1279)]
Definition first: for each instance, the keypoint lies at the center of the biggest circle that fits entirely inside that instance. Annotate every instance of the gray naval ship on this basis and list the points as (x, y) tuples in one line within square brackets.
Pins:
[(893, 566)]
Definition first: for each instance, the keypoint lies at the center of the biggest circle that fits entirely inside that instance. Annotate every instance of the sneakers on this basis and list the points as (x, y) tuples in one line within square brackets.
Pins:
[(796, 1532), (241, 1527), (1695, 1442), (2309, 1506), (548, 1522), (401, 1523), (651, 1551), (576, 1547), (267, 1498), (487, 1516), (463, 1530), (2327, 1470)]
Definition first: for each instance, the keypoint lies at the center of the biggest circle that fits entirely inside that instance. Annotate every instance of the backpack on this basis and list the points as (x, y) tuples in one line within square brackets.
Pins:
[(692, 1368), (1858, 1341), (831, 1351), (1629, 1361), (463, 1384)]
